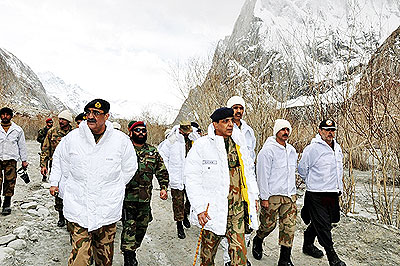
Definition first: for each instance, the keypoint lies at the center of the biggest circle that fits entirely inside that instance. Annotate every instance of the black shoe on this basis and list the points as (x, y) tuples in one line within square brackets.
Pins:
[(6, 206), (181, 232), (257, 248), (248, 263), (6, 211), (227, 263), (284, 258), (61, 219), (312, 251), (333, 257), (186, 222), (130, 258), (44, 178)]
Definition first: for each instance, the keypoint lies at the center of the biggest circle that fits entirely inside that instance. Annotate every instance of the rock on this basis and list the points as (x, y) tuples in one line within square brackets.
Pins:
[(17, 244), (33, 212), (7, 239), (21, 232), (43, 212), (46, 185), (29, 205), (7, 256), (34, 237)]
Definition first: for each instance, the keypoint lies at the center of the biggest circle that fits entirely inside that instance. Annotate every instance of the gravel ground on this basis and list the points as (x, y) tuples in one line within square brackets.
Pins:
[(358, 240)]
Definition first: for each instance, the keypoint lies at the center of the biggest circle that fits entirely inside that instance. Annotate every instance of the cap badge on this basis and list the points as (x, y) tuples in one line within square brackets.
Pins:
[(329, 122), (97, 105)]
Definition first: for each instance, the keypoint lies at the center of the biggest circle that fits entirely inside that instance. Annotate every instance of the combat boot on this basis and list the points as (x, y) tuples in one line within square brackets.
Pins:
[(284, 258), (181, 232), (257, 248), (333, 257), (6, 206), (61, 219), (186, 222), (130, 258)]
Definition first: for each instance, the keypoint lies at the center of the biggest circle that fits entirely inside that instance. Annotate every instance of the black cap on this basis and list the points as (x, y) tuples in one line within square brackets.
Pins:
[(98, 104), (327, 124), (81, 117), (6, 110), (221, 113)]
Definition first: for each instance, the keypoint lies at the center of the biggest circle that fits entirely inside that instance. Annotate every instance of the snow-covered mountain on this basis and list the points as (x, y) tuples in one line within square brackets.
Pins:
[(75, 97), (294, 48), (21, 89)]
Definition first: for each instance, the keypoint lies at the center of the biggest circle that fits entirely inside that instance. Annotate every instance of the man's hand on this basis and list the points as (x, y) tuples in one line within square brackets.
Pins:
[(43, 171), (203, 218), (163, 194), (25, 164), (265, 203), (53, 190)]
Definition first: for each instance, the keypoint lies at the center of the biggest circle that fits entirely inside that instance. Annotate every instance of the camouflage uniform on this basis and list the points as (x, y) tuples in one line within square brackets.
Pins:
[(10, 177), (181, 207), (136, 209), (235, 228), (285, 208), (53, 138), (42, 135), (83, 248)]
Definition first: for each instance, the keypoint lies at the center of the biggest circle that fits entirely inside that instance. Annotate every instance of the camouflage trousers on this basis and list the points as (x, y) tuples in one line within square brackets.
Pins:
[(179, 205), (236, 242), (285, 208), (58, 204), (136, 216), (10, 177), (99, 242)]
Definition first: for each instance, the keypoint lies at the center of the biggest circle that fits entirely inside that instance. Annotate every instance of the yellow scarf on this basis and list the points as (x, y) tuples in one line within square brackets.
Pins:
[(243, 186)]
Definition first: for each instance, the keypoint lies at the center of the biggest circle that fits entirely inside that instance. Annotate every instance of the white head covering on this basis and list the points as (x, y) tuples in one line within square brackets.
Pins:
[(116, 125), (65, 115), (282, 123), (235, 100)]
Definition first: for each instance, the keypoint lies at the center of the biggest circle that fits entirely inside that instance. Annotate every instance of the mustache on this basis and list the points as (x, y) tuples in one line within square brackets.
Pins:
[(285, 135), (91, 120)]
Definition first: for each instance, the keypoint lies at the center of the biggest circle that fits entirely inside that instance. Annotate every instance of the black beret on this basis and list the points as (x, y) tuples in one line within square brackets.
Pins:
[(221, 113), (327, 124), (6, 110), (98, 104), (81, 117)]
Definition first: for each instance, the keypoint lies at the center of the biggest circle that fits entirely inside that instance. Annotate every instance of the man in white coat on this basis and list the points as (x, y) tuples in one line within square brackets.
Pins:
[(13, 148), (91, 166), (321, 168), (219, 173), (173, 151), (276, 178), (238, 105)]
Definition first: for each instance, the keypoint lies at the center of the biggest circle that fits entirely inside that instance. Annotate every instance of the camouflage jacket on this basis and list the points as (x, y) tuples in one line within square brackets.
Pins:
[(150, 163), (53, 137), (42, 135)]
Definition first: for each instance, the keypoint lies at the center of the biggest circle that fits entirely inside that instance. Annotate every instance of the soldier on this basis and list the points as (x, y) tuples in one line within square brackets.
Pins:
[(174, 152), (220, 172), (136, 210), (321, 168), (276, 178), (41, 136), (97, 161), (238, 105), (50, 143), (79, 118), (13, 148)]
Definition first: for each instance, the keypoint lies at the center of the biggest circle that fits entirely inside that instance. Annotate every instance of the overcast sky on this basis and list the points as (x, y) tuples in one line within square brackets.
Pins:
[(116, 49)]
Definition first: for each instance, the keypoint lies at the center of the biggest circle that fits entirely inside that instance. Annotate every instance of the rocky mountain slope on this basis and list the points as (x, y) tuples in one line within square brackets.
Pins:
[(20, 87), (290, 49)]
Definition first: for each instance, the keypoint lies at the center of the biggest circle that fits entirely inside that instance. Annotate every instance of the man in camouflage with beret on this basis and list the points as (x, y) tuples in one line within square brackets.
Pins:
[(50, 143), (136, 209), (42, 133)]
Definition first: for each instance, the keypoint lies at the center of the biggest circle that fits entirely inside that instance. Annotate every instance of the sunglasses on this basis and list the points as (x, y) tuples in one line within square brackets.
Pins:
[(330, 129), (137, 130), (94, 113)]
